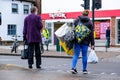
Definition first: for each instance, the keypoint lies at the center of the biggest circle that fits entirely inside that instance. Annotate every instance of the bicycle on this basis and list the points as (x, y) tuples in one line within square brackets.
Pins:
[(15, 44), (41, 48)]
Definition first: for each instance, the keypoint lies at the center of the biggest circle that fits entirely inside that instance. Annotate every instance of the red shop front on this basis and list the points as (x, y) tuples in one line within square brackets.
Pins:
[(102, 19)]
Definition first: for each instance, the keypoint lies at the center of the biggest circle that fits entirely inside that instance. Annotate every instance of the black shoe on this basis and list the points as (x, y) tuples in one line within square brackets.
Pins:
[(39, 67), (85, 72), (30, 66), (73, 71)]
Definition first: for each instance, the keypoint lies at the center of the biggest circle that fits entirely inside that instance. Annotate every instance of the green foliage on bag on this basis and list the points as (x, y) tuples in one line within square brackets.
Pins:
[(81, 31)]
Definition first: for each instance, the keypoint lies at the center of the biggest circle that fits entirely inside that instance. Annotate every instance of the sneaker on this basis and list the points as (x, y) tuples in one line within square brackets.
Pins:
[(85, 72), (74, 71)]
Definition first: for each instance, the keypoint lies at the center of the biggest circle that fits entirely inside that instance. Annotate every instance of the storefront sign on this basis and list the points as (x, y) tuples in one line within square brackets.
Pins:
[(97, 30), (57, 15)]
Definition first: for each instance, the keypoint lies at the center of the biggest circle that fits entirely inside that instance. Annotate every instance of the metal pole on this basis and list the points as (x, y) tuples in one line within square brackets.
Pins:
[(93, 8), (106, 45)]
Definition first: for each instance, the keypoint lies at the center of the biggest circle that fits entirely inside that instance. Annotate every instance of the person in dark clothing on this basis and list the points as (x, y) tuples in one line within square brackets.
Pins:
[(32, 34), (108, 36), (84, 44)]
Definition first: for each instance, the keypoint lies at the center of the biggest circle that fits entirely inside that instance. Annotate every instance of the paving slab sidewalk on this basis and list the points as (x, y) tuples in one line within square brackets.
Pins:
[(101, 52)]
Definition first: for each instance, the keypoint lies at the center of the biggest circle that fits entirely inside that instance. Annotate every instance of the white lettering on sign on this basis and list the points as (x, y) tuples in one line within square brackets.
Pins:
[(57, 15)]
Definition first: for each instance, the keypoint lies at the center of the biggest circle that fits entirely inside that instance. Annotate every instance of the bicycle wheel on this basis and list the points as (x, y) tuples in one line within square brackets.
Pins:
[(13, 48)]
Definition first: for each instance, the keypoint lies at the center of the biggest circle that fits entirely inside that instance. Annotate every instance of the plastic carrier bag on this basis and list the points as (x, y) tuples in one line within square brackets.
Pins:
[(92, 58), (60, 32)]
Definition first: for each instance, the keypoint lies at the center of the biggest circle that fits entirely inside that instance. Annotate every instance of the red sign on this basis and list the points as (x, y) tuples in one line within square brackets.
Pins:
[(57, 15), (73, 15), (97, 29)]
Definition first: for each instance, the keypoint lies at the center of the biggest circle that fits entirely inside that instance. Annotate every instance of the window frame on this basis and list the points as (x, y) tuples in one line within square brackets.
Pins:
[(14, 10), (11, 29), (25, 9)]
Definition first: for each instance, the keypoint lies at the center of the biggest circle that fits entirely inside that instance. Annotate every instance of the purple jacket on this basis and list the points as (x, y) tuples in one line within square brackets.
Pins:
[(32, 28)]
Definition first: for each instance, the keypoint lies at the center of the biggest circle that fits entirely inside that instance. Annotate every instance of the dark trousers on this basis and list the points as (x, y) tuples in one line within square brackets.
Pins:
[(77, 48), (108, 41), (31, 48)]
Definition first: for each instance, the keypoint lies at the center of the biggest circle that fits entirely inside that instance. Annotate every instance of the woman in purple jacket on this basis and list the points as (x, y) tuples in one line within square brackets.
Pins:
[(31, 33)]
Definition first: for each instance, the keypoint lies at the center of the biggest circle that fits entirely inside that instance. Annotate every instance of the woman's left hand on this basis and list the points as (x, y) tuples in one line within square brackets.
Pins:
[(93, 47)]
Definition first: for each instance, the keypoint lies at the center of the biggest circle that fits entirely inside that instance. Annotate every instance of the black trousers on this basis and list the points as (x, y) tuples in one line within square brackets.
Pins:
[(108, 41), (31, 48)]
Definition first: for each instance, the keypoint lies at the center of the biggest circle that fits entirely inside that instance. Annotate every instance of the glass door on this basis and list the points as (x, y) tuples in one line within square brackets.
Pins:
[(49, 27), (118, 31)]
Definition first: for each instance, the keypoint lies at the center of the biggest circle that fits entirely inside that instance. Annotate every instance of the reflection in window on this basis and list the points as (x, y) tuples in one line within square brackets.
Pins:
[(118, 28), (48, 25), (11, 29), (26, 9), (14, 8)]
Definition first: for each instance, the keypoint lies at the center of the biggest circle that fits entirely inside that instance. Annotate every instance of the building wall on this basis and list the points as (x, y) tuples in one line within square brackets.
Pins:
[(9, 18), (113, 30)]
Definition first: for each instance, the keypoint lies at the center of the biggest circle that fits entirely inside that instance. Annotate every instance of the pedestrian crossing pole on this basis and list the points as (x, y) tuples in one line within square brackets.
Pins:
[(93, 10)]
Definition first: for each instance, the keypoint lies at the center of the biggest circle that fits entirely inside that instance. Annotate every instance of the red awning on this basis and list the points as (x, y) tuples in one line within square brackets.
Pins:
[(98, 14)]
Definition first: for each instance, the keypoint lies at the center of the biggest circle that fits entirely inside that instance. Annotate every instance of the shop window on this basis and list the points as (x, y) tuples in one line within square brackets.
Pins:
[(11, 29), (0, 18), (48, 25), (100, 29), (14, 8), (118, 33), (26, 9)]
